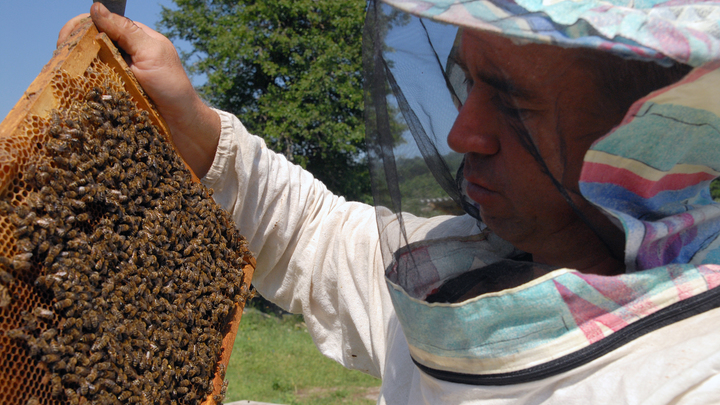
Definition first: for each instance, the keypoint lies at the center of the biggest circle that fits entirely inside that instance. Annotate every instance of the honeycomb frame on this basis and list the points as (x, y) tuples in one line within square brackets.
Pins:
[(22, 132)]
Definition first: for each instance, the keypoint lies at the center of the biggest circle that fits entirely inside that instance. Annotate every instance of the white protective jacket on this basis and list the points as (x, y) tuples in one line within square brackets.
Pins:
[(319, 255)]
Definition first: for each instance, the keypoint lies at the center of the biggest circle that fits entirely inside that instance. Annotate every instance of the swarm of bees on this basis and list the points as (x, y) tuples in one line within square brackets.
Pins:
[(143, 268)]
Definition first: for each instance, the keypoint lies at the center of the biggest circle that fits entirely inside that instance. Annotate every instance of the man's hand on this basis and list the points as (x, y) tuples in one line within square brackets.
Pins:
[(195, 128)]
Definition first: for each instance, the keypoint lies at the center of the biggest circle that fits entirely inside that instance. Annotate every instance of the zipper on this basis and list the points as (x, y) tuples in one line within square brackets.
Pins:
[(679, 311)]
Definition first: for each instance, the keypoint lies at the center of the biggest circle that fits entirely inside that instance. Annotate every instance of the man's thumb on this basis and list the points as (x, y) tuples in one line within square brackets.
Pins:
[(122, 30)]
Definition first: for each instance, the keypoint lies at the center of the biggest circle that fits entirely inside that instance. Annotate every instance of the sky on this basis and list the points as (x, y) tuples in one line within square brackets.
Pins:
[(429, 98), (28, 34)]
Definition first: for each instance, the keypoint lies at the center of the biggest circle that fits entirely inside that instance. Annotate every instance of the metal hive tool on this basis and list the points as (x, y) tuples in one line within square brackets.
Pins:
[(106, 278)]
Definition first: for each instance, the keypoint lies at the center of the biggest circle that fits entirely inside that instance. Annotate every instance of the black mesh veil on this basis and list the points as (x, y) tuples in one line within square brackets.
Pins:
[(410, 107), (414, 88)]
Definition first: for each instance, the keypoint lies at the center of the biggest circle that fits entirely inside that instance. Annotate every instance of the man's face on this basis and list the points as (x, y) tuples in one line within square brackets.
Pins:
[(545, 92)]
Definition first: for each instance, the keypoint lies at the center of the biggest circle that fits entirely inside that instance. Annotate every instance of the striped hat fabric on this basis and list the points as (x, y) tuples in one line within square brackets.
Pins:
[(687, 31), (653, 173)]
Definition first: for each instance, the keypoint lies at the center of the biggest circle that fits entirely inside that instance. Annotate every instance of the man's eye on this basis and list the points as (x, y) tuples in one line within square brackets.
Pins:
[(469, 83), (509, 108)]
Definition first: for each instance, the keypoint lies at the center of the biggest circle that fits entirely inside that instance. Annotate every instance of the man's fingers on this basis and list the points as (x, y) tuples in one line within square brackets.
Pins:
[(68, 28), (128, 35)]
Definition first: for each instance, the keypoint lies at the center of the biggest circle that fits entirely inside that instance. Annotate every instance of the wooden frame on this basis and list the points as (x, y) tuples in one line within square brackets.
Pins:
[(74, 56)]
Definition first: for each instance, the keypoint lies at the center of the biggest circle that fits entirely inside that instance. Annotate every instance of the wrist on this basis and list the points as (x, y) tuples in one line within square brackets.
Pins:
[(196, 133)]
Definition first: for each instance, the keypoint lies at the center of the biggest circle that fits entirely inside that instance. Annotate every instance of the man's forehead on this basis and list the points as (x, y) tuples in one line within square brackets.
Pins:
[(522, 70), (489, 72)]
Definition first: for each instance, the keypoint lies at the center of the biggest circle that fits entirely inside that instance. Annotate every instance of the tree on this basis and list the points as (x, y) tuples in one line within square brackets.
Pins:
[(291, 70)]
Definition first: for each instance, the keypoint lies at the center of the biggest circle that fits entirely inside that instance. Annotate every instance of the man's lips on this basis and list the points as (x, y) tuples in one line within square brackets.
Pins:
[(470, 173), (479, 183), (479, 190), (478, 171), (479, 193)]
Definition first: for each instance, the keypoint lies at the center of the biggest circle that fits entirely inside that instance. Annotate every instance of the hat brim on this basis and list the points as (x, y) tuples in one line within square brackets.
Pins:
[(685, 31)]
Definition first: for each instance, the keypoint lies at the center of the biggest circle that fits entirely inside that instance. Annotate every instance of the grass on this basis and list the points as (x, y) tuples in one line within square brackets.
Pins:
[(274, 360)]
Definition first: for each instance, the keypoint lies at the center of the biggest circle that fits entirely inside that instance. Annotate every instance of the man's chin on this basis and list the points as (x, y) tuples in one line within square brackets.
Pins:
[(509, 230)]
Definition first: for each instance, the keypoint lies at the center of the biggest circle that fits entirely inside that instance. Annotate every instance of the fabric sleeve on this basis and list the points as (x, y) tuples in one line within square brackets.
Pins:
[(317, 254)]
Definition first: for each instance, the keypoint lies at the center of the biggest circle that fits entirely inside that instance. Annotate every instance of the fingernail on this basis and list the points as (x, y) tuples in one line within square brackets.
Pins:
[(99, 10)]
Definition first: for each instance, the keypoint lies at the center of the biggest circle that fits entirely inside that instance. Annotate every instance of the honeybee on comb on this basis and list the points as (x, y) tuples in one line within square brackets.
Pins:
[(137, 310)]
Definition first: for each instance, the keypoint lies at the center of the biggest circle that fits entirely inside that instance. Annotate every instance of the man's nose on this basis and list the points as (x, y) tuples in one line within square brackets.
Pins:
[(476, 127)]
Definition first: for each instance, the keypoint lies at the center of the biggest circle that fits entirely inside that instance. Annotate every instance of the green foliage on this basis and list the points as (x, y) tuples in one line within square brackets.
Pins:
[(418, 184), (291, 70), (274, 360)]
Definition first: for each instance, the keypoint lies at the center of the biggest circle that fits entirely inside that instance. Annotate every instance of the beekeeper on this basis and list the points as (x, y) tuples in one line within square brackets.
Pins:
[(586, 269)]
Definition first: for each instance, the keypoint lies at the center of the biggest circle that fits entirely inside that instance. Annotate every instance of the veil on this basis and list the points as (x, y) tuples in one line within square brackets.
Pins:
[(414, 88), (411, 103)]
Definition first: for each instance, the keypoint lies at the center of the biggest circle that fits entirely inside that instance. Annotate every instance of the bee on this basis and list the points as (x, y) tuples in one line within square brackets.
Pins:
[(56, 145), (84, 388), (135, 399), (60, 160), (43, 247), (5, 298), (102, 342), (82, 371), (95, 358), (60, 229), (70, 379), (111, 386), (60, 365), (56, 388), (21, 262), (57, 347), (17, 334), (62, 304), (75, 204), (71, 365), (93, 375), (43, 313), (92, 320), (52, 253), (25, 245), (51, 358), (219, 398), (40, 178), (72, 396), (49, 334), (94, 94), (95, 106), (121, 378)]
